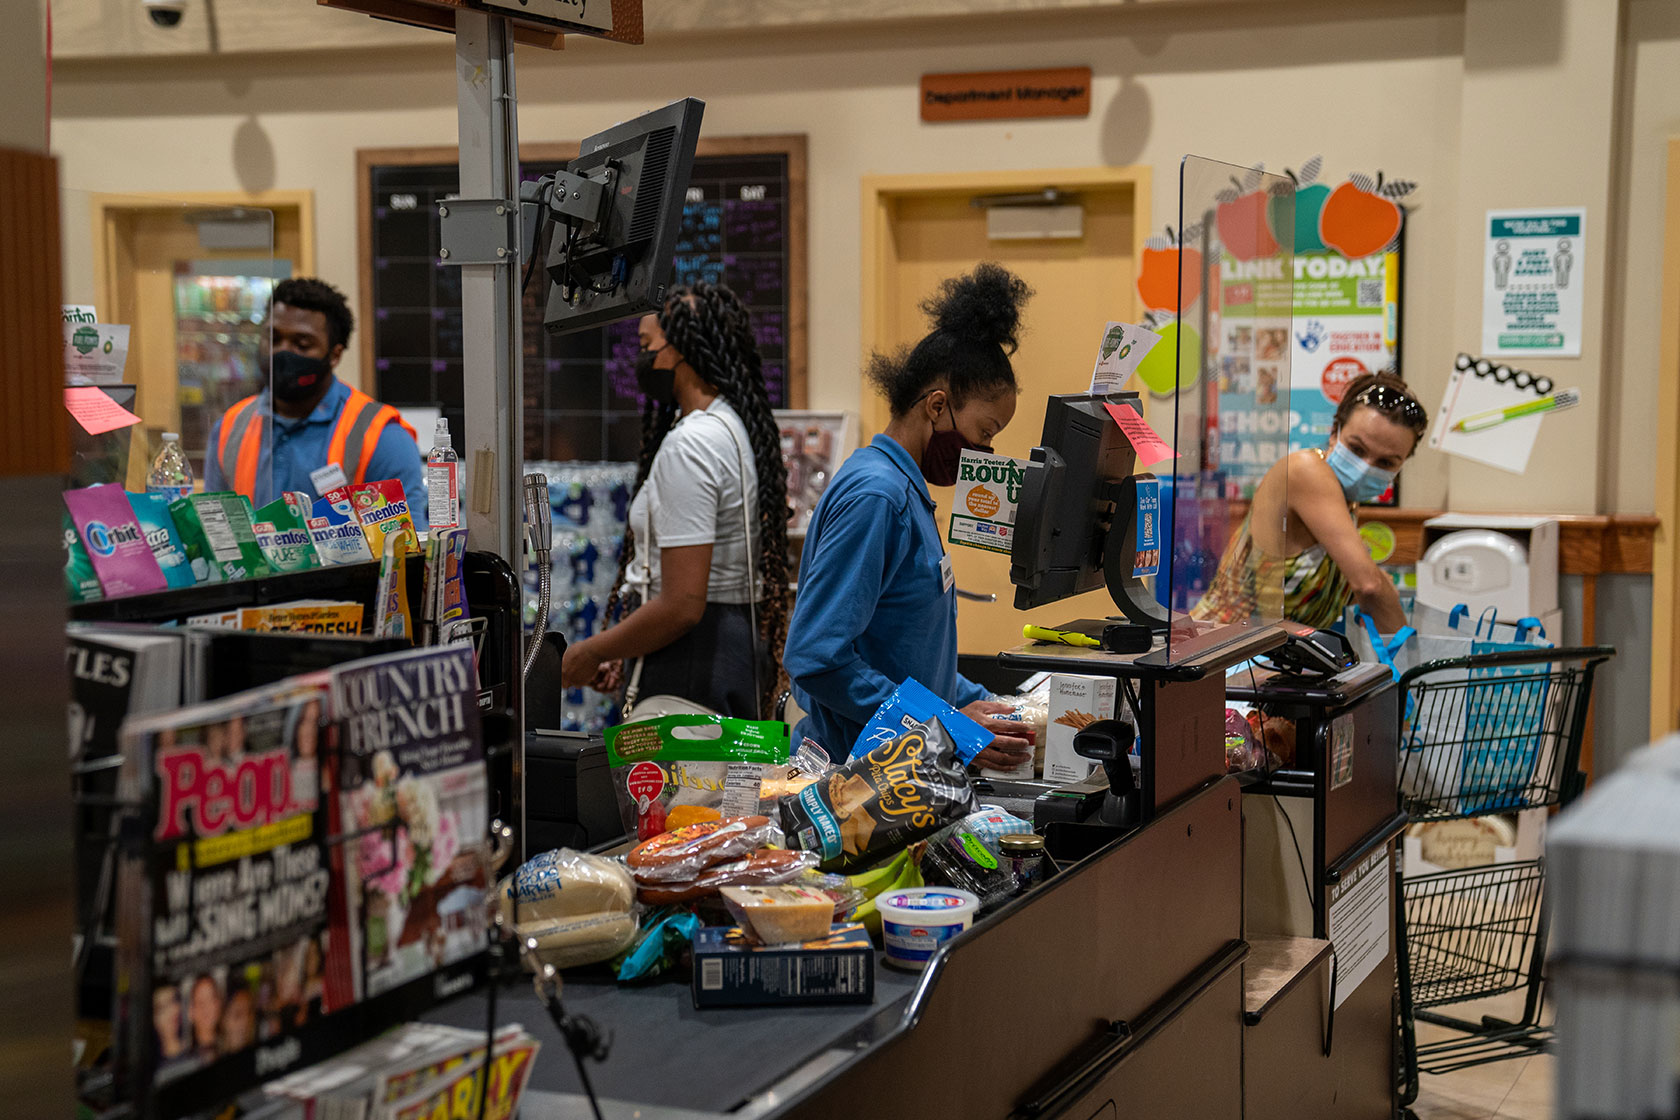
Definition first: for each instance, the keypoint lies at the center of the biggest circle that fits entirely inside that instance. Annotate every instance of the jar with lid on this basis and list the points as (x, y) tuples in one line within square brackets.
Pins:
[(1023, 854)]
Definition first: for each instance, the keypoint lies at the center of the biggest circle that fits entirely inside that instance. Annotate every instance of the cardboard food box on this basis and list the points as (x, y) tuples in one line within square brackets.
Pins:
[(731, 972), (1075, 702)]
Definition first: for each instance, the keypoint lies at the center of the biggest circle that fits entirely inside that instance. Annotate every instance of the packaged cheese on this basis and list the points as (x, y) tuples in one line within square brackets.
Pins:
[(777, 915)]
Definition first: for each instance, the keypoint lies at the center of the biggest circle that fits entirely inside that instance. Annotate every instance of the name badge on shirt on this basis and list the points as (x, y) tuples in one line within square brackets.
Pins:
[(947, 574), (329, 477)]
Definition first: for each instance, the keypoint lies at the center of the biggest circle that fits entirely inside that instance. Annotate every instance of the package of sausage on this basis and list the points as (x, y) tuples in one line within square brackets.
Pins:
[(681, 770)]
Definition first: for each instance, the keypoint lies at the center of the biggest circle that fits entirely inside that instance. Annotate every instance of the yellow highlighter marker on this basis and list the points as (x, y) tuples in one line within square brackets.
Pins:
[(1060, 637)]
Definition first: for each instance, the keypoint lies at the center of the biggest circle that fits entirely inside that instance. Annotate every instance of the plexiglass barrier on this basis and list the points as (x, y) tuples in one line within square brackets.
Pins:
[(166, 328), (1229, 409)]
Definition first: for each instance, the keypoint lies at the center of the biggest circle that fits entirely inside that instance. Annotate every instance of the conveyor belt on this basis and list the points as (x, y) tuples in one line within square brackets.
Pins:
[(725, 1055)]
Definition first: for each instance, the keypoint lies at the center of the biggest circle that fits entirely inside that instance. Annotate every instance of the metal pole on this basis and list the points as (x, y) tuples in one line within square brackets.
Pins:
[(492, 349), (491, 346)]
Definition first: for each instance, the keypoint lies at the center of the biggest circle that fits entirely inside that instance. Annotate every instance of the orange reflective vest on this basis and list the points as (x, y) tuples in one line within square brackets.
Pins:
[(354, 436)]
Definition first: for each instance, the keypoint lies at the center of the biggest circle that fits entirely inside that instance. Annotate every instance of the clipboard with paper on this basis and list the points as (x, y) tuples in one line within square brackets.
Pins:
[(1479, 386)]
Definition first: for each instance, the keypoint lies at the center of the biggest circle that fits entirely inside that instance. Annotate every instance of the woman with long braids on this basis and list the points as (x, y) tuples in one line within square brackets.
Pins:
[(876, 593), (706, 550)]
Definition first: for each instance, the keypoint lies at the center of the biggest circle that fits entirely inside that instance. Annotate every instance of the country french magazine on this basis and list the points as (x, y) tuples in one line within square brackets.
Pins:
[(412, 807)]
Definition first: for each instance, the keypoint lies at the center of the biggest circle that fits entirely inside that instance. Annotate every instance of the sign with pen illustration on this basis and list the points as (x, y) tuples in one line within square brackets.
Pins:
[(1531, 282), (1492, 411), (983, 510)]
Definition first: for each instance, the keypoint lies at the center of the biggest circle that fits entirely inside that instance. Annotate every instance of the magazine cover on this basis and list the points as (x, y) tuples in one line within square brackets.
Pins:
[(413, 798), (453, 1093), (223, 935)]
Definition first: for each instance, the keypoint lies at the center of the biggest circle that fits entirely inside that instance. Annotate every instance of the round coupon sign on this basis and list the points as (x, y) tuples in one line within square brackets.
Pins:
[(645, 780), (1379, 538), (1338, 375), (982, 502)]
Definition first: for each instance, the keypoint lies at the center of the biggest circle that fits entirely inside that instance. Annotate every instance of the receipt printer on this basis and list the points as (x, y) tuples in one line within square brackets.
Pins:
[(1485, 560)]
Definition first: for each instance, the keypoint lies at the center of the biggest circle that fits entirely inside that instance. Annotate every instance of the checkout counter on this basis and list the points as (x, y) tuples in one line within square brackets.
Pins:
[(1167, 970)]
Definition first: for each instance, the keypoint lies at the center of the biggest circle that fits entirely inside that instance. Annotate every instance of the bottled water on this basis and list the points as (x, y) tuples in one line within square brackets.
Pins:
[(171, 475), (443, 481)]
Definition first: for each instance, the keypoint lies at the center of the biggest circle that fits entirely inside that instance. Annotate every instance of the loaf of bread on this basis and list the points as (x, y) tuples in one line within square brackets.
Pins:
[(565, 884)]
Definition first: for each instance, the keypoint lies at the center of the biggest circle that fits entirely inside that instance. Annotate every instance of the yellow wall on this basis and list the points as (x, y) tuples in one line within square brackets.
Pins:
[(23, 79), (1379, 85)]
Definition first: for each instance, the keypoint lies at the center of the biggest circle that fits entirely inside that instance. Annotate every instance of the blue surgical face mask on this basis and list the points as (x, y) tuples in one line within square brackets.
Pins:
[(1361, 482)]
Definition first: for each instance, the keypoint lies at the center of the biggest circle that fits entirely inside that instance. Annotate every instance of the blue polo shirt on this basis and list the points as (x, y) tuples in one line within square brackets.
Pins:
[(296, 447), (873, 608)]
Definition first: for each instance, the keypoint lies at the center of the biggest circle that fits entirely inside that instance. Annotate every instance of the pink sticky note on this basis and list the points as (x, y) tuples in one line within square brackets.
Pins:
[(95, 411), (1150, 448)]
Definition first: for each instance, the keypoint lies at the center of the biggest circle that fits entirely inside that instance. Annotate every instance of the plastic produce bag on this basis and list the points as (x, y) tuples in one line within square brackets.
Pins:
[(712, 766)]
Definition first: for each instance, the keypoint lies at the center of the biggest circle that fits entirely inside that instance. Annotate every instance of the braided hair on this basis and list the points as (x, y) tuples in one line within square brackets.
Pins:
[(709, 326)]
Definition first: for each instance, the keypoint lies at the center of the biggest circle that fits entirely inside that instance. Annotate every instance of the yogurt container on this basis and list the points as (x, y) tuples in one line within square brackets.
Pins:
[(916, 921)]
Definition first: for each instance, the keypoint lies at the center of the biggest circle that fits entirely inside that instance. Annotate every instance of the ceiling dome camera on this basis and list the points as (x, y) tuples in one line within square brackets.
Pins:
[(165, 13)]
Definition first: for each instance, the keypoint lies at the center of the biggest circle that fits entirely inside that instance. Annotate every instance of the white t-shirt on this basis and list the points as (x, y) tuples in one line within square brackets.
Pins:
[(701, 481)]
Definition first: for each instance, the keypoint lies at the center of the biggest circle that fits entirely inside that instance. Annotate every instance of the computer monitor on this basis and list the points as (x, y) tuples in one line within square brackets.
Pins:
[(611, 218), (1074, 525)]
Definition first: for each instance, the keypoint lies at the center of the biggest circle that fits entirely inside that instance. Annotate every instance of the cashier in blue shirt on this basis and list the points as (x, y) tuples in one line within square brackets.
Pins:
[(877, 601), (311, 431)]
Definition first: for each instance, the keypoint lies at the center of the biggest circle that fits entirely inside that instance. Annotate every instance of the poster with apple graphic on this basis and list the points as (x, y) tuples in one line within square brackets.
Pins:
[(1346, 292), (1255, 220)]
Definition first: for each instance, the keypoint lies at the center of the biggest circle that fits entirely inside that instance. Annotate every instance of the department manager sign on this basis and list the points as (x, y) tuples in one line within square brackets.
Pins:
[(1007, 94)]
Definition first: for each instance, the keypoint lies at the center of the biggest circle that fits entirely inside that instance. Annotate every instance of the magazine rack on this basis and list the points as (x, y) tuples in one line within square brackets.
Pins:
[(493, 595)]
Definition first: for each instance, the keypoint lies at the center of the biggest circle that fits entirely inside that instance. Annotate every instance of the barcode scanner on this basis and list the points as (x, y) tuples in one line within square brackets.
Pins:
[(1109, 741)]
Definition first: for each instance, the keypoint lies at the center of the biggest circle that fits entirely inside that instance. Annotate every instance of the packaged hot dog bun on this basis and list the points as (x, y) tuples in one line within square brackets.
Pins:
[(570, 942), (565, 884)]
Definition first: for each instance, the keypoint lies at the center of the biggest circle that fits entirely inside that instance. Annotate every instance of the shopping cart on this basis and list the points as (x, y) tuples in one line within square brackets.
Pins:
[(1480, 735)]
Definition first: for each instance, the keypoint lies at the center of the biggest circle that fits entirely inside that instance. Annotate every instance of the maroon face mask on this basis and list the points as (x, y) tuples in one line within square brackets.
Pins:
[(944, 449)]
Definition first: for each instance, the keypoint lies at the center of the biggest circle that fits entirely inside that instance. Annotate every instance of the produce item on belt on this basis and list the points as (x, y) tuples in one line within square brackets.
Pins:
[(685, 852), (681, 816), (913, 705), (776, 915), (880, 802), (868, 912), (570, 908), (760, 868), (707, 762)]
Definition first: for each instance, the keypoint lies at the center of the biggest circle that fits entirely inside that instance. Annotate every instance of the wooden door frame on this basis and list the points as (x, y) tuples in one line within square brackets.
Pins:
[(1665, 594), (880, 193), (106, 210)]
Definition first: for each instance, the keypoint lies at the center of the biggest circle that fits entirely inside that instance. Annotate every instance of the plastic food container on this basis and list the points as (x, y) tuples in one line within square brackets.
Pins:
[(915, 922)]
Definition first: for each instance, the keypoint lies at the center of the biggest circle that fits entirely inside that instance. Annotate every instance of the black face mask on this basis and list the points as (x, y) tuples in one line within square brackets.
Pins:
[(944, 450), (296, 378), (656, 384)]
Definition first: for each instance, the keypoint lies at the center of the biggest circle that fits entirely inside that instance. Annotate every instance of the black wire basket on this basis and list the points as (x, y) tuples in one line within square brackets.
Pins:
[(1494, 732)]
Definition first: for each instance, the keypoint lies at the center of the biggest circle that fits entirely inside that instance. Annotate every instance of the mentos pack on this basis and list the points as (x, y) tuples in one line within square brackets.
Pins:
[(383, 509), (283, 532), (337, 532), (152, 511)]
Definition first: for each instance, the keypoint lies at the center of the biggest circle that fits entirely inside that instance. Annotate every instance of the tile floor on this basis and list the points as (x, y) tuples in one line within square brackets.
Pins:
[(1520, 1089)]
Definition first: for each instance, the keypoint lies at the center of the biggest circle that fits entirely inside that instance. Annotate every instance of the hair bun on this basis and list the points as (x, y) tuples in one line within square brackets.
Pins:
[(983, 306)]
